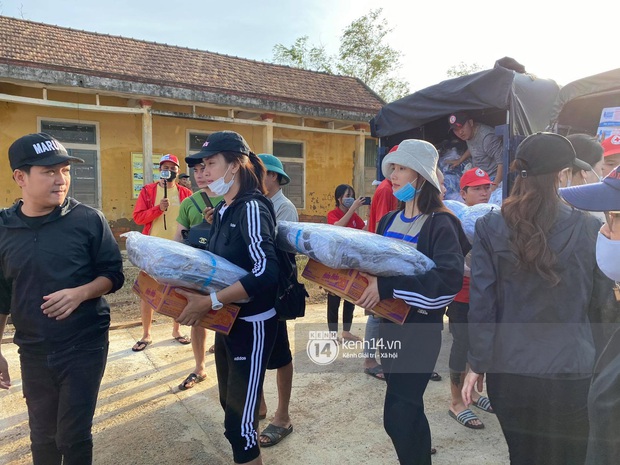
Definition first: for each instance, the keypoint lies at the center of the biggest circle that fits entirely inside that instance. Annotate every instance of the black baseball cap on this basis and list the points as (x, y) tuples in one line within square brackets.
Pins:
[(222, 141), (545, 153), (183, 176), (458, 119), (38, 150)]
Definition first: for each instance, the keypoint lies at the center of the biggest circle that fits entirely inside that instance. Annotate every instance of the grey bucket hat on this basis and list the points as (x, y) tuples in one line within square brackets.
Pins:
[(419, 155)]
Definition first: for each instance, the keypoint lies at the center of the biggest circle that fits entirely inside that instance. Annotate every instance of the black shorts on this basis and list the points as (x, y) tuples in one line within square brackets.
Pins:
[(281, 354)]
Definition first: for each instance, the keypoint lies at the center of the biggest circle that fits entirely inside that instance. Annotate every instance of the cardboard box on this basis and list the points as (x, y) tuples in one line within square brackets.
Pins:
[(349, 284), (164, 300)]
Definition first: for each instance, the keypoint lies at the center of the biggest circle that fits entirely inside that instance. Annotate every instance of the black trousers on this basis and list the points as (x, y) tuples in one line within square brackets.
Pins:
[(333, 304), (544, 421), (408, 355), (61, 391), (241, 360)]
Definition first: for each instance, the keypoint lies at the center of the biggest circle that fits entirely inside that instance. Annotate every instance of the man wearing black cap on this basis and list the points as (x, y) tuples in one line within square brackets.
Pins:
[(185, 181), (483, 146), (58, 258)]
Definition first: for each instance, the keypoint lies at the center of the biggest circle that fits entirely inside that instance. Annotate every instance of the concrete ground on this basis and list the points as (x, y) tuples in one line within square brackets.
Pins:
[(336, 409)]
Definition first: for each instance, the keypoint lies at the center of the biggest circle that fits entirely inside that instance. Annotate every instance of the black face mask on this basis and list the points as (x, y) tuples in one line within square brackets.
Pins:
[(168, 175)]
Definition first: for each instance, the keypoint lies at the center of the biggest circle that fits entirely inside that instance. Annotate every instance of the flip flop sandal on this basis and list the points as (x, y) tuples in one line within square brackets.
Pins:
[(483, 403), (275, 434), (140, 346), (183, 340), (191, 380), (465, 418), (375, 372)]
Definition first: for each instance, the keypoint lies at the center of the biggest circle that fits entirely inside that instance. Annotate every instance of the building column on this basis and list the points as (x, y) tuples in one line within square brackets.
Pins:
[(268, 132), (147, 141), (358, 161)]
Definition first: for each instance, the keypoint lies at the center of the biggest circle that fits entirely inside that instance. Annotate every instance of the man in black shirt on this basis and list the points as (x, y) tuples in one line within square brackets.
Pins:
[(58, 258)]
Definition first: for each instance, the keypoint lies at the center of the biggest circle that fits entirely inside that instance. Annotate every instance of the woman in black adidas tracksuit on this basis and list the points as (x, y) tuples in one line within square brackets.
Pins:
[(243, 232), (409, 352)]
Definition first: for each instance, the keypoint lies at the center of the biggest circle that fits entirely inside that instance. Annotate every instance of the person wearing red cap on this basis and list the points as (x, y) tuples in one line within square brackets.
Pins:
[(475, 189), (611, 154), (157, 208)]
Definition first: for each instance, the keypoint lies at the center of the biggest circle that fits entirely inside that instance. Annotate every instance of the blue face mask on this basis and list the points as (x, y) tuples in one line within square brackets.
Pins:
[(406, 193), (347, 202)]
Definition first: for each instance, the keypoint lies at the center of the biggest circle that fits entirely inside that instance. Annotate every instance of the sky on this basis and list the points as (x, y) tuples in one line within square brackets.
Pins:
[(551, 39)]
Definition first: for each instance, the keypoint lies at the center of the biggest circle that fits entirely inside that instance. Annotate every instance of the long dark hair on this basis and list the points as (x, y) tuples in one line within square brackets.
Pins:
[(341, 190), (530, 211), (251, 173)]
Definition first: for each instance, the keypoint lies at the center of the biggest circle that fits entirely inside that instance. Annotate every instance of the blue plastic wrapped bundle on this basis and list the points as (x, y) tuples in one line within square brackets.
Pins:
[(171, 262), (469, 215), (457, 207), (347, 248), (496, 196)]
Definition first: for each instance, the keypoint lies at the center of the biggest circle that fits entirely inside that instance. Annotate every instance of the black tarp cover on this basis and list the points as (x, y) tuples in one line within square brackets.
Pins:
[(529, 101), (580, 103)]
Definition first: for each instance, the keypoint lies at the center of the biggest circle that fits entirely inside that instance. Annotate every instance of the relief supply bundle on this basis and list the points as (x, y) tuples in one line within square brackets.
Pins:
[(347, 248), (180, 265), (469, 215)]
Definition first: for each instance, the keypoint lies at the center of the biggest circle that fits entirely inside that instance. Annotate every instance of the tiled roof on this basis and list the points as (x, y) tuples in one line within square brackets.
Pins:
[(37, 45)]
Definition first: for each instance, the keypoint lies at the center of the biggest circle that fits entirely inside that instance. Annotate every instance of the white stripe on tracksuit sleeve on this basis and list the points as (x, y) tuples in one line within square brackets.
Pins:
[(418, 300), (254, 230)]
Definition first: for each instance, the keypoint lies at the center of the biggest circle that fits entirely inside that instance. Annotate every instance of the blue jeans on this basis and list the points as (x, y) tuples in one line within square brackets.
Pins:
[(371, 336), (61, 392)]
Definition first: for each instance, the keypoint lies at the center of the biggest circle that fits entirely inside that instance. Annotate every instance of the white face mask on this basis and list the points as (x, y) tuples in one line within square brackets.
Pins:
[(219, 186), (608, 256)]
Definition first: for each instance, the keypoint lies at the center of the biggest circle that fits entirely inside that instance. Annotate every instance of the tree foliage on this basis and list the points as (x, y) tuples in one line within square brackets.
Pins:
[(363, 54), (463, 69), (303, 55)]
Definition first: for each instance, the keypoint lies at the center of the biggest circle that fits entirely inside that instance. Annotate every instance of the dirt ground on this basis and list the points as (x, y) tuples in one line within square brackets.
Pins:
[(336, 409)]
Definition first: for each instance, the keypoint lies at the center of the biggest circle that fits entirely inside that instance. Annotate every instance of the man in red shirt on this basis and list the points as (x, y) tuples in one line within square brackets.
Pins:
[(475, 189), (158, 202), (382, 203)]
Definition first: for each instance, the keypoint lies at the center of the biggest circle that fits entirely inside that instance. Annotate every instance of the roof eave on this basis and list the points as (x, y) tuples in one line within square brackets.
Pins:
[(189, 94)]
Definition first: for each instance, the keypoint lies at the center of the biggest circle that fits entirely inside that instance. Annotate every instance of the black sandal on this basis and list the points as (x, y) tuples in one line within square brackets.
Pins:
[(191, 381)]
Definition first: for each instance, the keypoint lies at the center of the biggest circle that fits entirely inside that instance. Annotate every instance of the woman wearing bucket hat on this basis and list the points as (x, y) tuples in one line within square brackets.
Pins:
[(533, 280), (410, 351), (243, 232)]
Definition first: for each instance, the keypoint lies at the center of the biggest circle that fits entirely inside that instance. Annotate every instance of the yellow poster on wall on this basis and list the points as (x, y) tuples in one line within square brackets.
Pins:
[(137, 172)]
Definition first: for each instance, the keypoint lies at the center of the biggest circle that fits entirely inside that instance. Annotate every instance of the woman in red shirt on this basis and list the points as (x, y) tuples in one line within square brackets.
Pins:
[(343, 215)]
